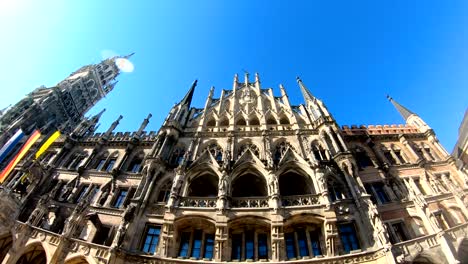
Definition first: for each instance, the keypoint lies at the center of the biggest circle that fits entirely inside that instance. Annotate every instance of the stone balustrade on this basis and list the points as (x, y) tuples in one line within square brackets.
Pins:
[(251, 202), (203, 202), (300, 200), (407, 250)]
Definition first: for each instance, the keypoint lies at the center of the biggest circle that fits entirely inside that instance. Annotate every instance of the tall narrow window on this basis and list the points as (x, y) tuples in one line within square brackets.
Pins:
[(209, 246), (110, 165), (315, 241), (302, 243), (151, 239), (82, 193), (236, 246), (120, 198), (380, 192), (348, 237), (389, 157), (164, 193), (399, 155), (135, 166), (290, 245), (249, 245), (100, 164), (262, 246), (184, 244), (400, 231), (197, 243)]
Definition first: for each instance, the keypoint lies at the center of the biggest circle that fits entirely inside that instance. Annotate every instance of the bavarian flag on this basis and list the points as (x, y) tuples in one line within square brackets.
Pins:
[(47, 144), (31, 140)]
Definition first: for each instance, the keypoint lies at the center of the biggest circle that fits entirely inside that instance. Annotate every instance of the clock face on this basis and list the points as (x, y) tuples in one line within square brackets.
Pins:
[(248, 100)]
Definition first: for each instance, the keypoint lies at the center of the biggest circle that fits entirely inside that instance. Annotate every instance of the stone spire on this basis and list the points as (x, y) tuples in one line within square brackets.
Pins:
[(112, 127), (305, 92), (404, 112), (143, 125), (188, 97)]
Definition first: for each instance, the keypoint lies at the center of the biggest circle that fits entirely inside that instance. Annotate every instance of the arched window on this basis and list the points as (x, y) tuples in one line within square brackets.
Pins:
[(271, 120), (211, 122), (241, 122), (205, 185), (254, 121), (35, 255), (319, 152), (249, 185), (284, 120), (292, 183), (224, 122)]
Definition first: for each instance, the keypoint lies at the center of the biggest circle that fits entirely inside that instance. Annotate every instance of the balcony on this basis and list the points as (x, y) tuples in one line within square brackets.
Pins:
[(249, 202), (198, 202), (300, 200)]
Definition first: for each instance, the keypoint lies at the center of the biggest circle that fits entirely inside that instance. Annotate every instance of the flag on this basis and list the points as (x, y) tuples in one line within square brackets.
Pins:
[(47, 144), (31, 140), (11, 143)]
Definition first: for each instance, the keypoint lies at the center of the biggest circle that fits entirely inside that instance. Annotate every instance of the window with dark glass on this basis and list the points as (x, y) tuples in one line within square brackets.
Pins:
[(93, 192), (209, 246), (100, 164), (399, 155), (302, 243), (388, 155), (315, 241), (110, 165), (236, 246), (151, 239), (249, 245), (120, 198), (164, 193), (362, 159), (290, 245), (262, 246), (399, 231), (82, 193), (377, 192), (135, 166), (380, 192), (348, 237), (184, 244), (197, 242)]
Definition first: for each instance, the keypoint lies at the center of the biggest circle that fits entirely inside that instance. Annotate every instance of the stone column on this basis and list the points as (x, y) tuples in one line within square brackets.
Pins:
[(221, 242), (331, 239), (277, 241)]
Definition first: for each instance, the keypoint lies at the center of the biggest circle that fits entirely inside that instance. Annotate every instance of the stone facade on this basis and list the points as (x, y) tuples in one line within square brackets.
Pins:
[(247, 178)]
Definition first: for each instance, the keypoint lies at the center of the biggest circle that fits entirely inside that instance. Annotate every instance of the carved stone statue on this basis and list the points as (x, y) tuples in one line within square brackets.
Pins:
[(273, 184), (223, 184)]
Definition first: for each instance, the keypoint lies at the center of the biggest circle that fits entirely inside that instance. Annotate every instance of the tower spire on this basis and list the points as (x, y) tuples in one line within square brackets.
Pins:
[(188, 97), (305, 92), (404, 112)]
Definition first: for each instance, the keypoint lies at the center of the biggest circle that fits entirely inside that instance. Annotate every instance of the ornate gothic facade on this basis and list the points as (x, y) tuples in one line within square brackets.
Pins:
[(247, 178)]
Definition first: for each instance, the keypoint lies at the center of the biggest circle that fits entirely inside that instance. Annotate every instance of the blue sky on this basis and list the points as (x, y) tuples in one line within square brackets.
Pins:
[(349, 53)]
